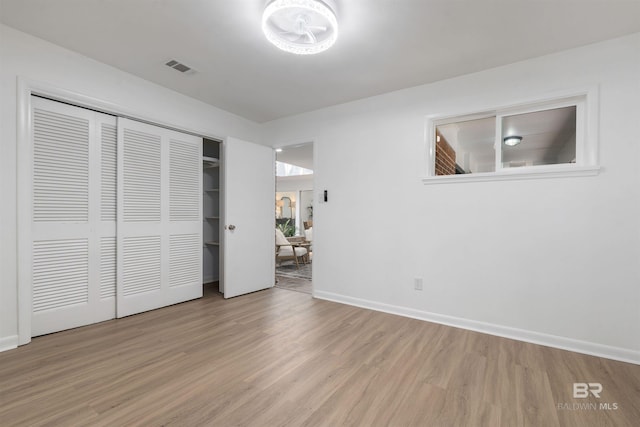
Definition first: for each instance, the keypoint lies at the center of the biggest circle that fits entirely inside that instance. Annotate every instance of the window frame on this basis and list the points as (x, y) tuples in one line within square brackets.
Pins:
[(586, 103)]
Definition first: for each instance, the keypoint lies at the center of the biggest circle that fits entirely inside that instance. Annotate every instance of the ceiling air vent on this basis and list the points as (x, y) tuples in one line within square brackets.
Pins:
[(179, 66)]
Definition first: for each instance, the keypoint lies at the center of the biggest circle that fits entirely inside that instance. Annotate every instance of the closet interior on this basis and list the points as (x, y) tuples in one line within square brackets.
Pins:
[(211, 213)]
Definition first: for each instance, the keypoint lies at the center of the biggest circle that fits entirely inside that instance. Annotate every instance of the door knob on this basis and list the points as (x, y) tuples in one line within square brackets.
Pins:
[(232, 227)]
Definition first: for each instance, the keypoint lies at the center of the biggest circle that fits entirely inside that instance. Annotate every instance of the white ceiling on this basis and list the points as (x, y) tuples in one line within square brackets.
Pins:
[(384, 45)]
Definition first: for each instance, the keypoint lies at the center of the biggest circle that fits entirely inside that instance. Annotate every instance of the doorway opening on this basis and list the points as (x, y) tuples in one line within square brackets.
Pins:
[(294, 217)]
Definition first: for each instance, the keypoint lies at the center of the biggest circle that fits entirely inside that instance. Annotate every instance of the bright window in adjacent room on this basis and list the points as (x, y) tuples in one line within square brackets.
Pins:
[(286, 169), (534, 139)]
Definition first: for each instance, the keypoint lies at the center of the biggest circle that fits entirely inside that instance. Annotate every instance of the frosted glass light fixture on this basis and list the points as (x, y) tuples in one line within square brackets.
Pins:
[(303, 27), (512, 140)]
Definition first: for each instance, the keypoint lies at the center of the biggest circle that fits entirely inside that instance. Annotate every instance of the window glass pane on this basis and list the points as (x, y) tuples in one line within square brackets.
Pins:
[(541, 138), (466, 147)]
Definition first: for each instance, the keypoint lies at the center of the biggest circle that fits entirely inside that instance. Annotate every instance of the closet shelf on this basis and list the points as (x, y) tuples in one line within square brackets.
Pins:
[(210, 162), (212, 190), (212, 243), (212, 217)]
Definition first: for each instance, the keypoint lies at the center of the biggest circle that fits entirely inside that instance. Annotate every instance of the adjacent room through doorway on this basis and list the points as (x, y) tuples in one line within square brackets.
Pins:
[(294, 217)]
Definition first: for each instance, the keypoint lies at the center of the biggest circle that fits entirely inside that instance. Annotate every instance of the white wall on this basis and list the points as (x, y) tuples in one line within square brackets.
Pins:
[(294, 183), (32, 58), (306, 200), (555, 261)]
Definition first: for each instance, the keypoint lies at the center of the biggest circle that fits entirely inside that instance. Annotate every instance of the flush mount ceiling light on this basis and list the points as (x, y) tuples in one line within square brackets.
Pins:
[(303, 27), (512, 140)]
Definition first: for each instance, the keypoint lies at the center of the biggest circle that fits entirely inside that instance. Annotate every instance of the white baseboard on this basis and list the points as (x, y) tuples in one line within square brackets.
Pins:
[(578, 346), (8, 343)]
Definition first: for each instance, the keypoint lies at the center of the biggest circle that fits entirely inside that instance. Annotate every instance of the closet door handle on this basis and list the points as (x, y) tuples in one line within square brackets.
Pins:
[(232, 227)]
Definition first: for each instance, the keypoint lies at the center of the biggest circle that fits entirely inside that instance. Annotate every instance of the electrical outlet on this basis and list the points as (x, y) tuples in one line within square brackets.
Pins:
[(417, 283)]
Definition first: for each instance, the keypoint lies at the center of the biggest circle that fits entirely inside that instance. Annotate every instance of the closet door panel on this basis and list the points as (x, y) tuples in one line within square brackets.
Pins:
[(108, 173), (184, 259), (108, 268), (65, 231), (158, 217), (106, 227), (60, 166), (139, 237), (142, 184), (184, 180), (60, 273), (185, 217)]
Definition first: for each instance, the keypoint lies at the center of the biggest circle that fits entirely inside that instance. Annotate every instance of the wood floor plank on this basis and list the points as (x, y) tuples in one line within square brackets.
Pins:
[(534, 398), (281, 358)]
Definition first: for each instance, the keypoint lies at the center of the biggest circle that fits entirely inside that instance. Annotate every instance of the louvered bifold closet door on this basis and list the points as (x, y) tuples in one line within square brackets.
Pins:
[(72, 255), (159, 217)]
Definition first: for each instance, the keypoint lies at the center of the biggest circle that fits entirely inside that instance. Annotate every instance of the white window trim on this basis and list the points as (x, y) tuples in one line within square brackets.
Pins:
[(587, 128)]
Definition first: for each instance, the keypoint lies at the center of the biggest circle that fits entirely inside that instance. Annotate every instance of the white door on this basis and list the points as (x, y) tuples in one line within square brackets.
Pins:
[(73, 217), (248, 206), (159, 241)]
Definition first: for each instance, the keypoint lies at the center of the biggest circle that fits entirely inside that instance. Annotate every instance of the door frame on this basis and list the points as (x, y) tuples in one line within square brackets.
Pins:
[(24, 152)]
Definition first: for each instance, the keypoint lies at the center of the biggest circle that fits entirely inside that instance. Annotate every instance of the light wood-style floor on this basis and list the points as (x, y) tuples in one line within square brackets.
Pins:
[(294, 284), (282, 358)]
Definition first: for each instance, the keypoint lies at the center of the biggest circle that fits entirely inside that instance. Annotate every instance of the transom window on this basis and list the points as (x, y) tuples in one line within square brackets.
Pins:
[(536, 138)]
